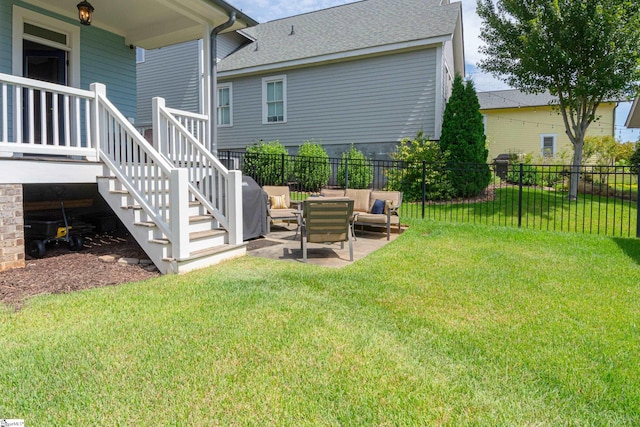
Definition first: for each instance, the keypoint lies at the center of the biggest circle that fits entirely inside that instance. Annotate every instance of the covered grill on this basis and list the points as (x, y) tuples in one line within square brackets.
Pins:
[(254, 209)]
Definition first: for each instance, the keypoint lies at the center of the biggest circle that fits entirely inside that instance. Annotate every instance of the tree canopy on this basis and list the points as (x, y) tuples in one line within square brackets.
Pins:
[(583, 52)]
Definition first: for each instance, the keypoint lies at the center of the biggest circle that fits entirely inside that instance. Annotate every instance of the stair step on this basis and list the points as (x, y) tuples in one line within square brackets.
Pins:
[(193, 236), (138, 207), (209, 251)]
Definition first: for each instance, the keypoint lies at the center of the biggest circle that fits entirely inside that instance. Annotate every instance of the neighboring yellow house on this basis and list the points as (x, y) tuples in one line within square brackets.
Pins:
[(516, 122)]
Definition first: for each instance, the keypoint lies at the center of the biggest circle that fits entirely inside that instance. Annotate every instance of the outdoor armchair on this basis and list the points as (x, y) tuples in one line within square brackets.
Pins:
[(327, 221)]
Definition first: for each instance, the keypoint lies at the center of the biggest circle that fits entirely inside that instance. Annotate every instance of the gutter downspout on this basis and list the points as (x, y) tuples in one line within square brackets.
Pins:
[(213, 117)]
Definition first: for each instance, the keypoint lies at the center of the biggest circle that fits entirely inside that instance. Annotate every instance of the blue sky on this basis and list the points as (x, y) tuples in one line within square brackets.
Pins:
[(268, 10)]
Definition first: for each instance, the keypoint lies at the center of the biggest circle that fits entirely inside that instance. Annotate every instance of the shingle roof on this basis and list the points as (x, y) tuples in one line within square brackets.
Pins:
[(351, 27), (512, 98)]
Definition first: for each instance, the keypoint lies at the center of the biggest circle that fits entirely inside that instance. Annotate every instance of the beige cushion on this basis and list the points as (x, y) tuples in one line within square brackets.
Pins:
[(278, 190), (328, 192), (360, 199), (370, 218), (278, 202)]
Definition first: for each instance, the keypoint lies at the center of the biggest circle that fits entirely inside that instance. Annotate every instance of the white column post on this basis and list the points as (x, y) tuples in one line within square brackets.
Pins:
[(159, 137), (99, 90), (205, 81), (234, 208), (179, 213)]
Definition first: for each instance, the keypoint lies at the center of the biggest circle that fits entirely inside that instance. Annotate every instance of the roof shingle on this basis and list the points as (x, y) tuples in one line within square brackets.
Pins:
[(342, 29)]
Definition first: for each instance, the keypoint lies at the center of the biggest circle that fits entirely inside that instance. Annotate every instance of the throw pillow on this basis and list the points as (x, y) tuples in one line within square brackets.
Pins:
[(278, 202), (378, 207)]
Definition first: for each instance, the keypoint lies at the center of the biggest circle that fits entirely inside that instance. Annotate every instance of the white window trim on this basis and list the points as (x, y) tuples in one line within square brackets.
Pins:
[(555, 142), (21, 15), (230, 87), (265, 110)]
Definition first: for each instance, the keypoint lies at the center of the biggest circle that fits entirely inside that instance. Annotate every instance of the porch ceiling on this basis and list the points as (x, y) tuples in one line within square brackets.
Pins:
[(153, 23)]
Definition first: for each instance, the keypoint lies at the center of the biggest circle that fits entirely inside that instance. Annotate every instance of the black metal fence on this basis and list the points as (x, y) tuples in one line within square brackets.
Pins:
[(519, 195)]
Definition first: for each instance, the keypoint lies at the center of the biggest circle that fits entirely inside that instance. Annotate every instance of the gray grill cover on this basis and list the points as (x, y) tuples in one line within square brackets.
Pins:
[(254, 209)]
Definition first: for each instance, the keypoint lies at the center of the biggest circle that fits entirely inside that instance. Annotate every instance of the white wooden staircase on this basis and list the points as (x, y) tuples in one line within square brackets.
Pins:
[(176, 199)]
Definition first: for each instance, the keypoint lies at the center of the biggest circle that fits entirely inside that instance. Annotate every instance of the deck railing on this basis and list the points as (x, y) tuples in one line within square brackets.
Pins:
[(157, 186), (180, 137), (45, 118)]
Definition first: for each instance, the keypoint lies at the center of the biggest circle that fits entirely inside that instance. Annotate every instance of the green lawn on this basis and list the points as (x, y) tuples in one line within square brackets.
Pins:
[(451, 324)]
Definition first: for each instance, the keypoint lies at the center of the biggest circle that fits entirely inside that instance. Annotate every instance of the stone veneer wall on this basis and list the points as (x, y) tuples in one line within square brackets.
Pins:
[(11, 227)]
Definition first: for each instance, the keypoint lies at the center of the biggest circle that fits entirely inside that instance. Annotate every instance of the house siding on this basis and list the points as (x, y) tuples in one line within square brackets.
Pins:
[(378, 100), (229, 43), (518, 130), (5, 37), (173, 73), (104, 58)]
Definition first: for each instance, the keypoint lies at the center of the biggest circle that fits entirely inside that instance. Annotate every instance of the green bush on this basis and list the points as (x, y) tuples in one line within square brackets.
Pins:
[(311, 168), (355, 167), (267, 163), (413, 153)]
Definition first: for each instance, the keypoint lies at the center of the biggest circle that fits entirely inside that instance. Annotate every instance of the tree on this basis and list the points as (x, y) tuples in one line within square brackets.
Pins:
[(581, 51), (463, 137)]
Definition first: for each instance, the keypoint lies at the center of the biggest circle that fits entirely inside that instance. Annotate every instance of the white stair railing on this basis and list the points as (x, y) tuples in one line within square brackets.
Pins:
[(44, 118), (158, 187), (218, 189)]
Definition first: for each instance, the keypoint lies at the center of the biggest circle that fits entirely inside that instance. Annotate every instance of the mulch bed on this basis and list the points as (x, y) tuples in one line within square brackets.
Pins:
[(62, 271)]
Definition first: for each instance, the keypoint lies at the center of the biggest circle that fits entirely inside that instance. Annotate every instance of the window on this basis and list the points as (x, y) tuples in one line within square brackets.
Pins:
[(225, 116), (140, 55), (274, 99), (548, 145)]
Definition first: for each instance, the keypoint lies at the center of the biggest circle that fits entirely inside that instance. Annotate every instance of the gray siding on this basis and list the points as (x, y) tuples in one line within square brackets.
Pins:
[(378, 100), (172, 73), (229, 43), (5, 36)]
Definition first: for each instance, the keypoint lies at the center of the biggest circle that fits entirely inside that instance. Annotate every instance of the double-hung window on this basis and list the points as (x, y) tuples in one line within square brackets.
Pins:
[(548, 145), (274, 99), (225, 112)]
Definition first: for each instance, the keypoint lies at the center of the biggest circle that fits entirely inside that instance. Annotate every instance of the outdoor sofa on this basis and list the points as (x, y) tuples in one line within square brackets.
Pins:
[(371, 208)]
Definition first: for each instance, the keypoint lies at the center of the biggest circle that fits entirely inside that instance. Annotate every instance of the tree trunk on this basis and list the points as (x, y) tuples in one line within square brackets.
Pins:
[(575, 170)]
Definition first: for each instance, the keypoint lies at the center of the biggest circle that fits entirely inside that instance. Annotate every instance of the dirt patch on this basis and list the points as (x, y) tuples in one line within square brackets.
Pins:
[(62, 271)]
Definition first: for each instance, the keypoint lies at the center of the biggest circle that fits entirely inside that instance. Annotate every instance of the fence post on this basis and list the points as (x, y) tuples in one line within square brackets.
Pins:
[(521, 177), (282, 170), (424, 186), (638, 206), (346, 172)]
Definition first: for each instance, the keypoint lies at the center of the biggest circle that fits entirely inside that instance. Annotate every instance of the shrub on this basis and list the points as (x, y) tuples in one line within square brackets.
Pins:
[(311, 167), (413, 153), (267, 163), (355, 167)]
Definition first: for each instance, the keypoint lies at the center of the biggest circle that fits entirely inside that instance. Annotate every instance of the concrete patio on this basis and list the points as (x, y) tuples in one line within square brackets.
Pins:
[(282, 244)]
